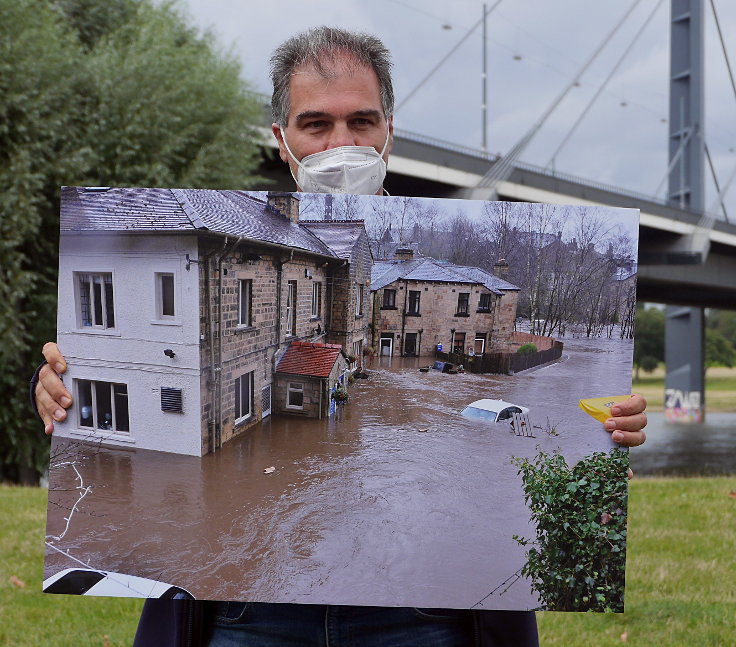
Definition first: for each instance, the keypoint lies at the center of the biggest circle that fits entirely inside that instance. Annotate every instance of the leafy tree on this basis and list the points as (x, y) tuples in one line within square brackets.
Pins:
[(96, 92), (718, 349), (649, 339), (723, 321)]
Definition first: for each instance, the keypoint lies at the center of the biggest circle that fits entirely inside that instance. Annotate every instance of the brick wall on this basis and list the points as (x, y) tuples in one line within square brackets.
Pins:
[(251, 348)]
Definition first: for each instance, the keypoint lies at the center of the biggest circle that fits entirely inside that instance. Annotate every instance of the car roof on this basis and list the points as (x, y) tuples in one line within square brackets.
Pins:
[(107, 583), (492, 405)]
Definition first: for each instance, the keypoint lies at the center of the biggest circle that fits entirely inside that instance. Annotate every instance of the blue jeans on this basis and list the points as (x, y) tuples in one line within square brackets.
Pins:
[(253, 624)]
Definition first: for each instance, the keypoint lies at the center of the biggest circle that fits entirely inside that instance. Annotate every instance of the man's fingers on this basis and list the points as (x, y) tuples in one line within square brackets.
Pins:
[(627, 423), (48, 423), (50, 382), (52, 398), (54, 357), (628, 438), (46, 404), (634, 405)]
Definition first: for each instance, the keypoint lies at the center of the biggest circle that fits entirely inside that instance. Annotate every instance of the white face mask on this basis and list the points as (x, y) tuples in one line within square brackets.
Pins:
[(345, 169)]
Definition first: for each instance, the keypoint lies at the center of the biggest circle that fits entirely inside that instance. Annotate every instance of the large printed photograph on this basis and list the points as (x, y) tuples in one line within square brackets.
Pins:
[(341, 399)]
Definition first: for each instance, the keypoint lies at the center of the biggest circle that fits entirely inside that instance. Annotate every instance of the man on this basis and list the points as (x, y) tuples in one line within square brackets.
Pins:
[(333, 121)]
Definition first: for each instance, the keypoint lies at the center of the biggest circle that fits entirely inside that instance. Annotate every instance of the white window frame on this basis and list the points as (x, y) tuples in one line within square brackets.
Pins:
[(294, 387), (94, 278), (160, 315), (317, 300), (245, 297), (291, 293), (243, 381), (483, 344), (95, 426)]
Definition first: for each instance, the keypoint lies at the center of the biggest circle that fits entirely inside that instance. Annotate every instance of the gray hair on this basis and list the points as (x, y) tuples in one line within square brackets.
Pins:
[(319, 45)]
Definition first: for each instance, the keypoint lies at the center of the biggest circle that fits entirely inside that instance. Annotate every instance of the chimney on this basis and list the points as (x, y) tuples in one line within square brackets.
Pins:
[(328, 206), (286, 204), (403, 254), (501, 267)]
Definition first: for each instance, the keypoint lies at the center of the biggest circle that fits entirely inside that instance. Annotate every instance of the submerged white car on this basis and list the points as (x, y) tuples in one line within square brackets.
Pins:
[(492, 410), (84, 581)]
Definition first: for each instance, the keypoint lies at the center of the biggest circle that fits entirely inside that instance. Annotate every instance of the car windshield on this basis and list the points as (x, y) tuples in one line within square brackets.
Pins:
[(479, 414)]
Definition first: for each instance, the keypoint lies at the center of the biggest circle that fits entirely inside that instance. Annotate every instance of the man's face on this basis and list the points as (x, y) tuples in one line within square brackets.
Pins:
[(343, 109)]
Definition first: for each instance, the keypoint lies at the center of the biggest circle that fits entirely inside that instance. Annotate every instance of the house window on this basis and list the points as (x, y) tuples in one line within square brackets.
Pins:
[(291, 309), (316, 300), (295, 396), (103, 406), (414, 302), (389, 299), (96, 306), (359, 301), (463, 299), (357, 352), (171, 400), (245, 290), (458, 343), (243, 397), (484, 305), (165, 308)]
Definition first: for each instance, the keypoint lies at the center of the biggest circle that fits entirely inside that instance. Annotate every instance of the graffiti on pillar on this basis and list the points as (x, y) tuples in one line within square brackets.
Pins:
[(683, 406)]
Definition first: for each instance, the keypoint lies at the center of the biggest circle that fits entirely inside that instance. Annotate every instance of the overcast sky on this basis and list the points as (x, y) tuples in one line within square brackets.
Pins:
[(535, 49)]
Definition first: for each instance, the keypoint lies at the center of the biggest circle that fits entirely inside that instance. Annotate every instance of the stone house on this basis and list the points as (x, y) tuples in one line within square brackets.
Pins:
[(177, 306), (420, 304), (307, 377)]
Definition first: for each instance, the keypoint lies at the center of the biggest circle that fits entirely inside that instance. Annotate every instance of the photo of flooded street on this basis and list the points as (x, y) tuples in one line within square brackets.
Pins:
[(394, 500)]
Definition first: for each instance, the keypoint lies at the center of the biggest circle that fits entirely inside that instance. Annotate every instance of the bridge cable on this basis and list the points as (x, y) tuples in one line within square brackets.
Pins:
[(450, 53), (603, 85), (715, 179), (503, 168), (723, 47), (675, 159)]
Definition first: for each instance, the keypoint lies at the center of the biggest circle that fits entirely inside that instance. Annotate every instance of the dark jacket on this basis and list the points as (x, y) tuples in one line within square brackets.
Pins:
[(186, 623)]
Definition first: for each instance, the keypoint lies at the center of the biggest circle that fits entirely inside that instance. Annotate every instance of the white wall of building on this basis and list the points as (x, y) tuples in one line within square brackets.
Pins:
[(132, 352)]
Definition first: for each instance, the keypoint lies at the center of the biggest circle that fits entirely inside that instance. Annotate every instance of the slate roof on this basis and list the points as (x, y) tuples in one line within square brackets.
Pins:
[(311, 359), (429, 269), (340, 236), (234, 213)]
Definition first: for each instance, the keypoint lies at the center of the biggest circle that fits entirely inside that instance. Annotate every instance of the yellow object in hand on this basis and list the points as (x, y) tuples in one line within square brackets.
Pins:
[(600, 408)]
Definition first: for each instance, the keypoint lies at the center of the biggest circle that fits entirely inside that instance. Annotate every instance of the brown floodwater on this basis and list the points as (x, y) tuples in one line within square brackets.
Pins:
[(396, 500)]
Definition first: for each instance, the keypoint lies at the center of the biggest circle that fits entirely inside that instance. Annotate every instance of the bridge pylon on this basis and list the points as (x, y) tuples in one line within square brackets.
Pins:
[(684, 329)]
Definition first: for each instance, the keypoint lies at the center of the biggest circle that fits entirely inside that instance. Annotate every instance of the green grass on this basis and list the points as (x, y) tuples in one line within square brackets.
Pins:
[(31, 618), (680, 571), (680, 577), (720, 389)]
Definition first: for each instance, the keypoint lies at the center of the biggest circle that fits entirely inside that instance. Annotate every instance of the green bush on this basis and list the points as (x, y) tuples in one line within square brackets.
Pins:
[(578, 559), (527, 349)]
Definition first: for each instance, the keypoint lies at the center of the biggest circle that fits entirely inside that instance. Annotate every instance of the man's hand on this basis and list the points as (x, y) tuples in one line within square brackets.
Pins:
[(52, 399), (627, 422)]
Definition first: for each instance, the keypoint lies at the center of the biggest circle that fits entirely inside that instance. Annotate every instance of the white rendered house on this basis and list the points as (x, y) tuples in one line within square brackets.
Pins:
[(175, 307)]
